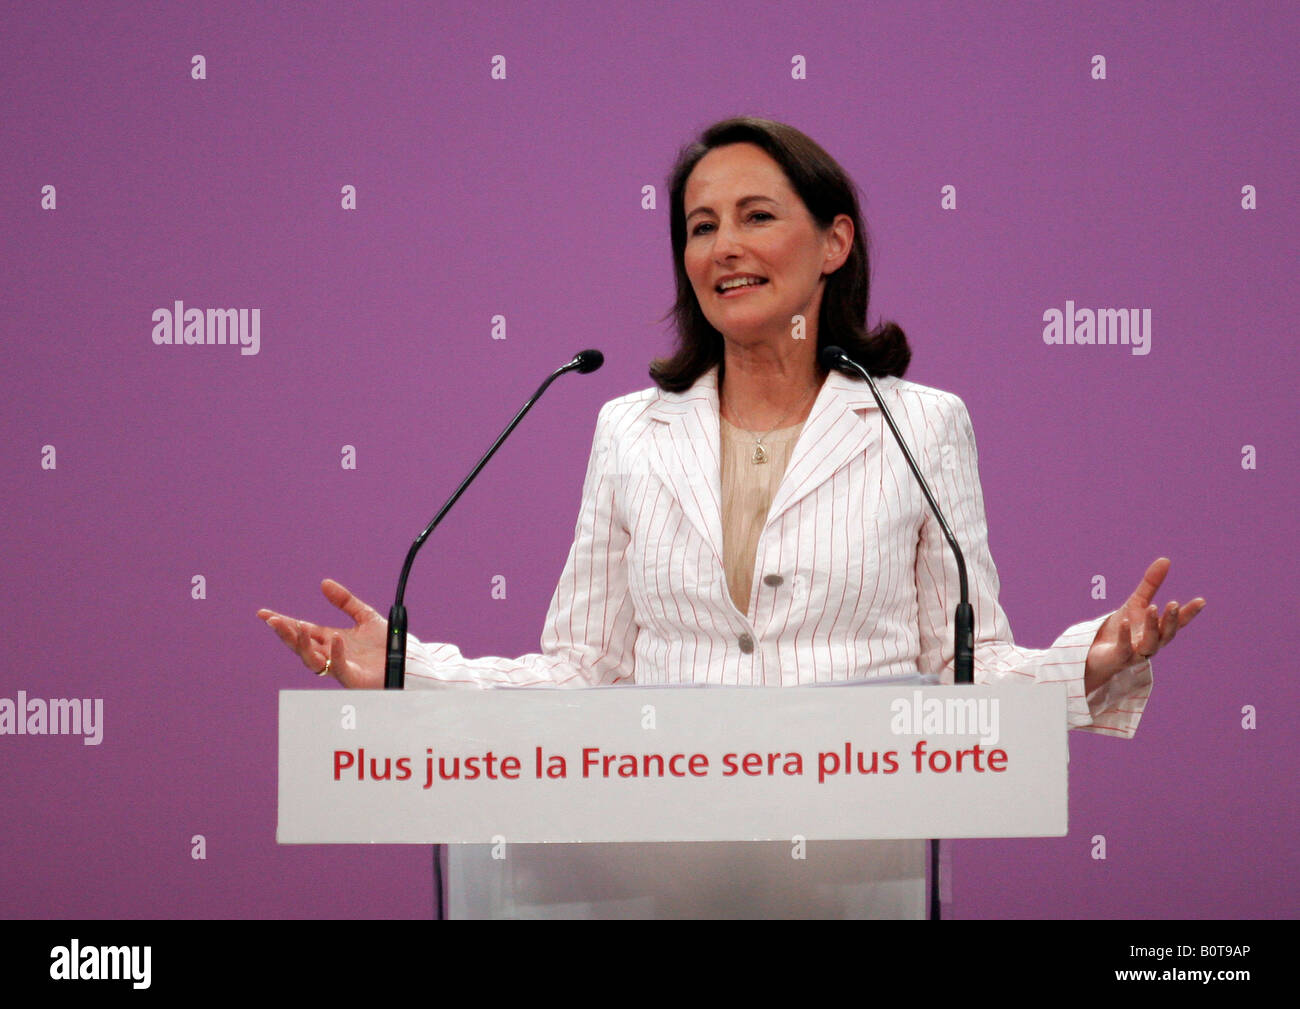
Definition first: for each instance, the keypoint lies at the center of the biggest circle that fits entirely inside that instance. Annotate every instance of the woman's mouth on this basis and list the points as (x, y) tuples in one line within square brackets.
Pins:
[(748, 285)]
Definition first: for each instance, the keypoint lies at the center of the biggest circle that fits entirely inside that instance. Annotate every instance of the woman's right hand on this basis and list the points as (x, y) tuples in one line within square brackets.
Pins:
[(356, 655)]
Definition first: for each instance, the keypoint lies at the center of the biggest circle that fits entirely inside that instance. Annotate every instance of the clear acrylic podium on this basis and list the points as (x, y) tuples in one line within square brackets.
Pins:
[(706, 879)]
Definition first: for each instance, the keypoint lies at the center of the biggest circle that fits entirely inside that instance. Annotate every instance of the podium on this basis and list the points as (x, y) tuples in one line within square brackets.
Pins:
[(675, 801)]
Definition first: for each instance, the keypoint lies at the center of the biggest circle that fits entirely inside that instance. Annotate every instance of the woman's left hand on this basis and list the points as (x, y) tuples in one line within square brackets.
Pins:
[(1137, 630)]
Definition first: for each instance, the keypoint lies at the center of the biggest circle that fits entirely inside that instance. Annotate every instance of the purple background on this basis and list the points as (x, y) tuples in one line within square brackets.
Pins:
[(521, 197)]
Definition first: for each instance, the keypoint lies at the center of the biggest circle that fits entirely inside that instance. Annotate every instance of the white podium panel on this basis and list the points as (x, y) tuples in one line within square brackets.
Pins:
[(626, 764)]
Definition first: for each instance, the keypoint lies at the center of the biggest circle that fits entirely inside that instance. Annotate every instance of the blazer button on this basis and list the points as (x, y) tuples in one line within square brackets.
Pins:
[(746, 643), (773, 580)]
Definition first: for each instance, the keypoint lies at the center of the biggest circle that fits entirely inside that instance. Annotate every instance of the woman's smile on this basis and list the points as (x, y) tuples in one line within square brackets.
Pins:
[(737, 291)]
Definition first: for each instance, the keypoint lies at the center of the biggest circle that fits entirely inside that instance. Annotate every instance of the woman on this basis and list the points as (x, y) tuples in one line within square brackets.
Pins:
[(749, 520)]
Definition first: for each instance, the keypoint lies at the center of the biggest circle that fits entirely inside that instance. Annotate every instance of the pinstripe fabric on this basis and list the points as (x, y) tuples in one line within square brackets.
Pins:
[(867, 583)]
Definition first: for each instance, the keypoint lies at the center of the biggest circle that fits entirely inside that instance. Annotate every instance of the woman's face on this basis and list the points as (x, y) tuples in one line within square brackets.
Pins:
[(744, 220)]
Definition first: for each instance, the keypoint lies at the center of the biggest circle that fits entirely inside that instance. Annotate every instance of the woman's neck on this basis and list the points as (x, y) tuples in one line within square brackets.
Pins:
[(762, 391)]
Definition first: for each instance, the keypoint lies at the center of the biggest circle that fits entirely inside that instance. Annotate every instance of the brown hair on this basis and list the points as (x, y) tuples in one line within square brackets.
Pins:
[(826, 191)]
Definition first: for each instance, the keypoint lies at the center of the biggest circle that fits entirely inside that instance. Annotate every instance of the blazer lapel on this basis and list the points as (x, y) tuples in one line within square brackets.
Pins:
[(835, 433), (685, 451), (685, 446)]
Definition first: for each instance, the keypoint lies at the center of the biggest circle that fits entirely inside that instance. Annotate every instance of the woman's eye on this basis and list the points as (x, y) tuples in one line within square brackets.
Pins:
[(756, 214)]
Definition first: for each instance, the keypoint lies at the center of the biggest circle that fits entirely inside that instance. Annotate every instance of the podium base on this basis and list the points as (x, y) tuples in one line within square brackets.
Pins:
[(735, 879)]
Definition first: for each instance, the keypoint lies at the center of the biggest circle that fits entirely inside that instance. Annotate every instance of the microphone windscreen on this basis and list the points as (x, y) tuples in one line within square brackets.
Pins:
[(831, 357), (588, 361)]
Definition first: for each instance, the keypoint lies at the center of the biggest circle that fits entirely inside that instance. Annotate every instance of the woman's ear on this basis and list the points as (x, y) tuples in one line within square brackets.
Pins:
[(839, 238)]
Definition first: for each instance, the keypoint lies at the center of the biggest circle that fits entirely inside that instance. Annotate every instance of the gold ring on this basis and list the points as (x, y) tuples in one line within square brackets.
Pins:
[(327, 666)]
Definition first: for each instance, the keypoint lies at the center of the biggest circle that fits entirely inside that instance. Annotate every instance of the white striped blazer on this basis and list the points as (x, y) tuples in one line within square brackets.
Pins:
[(852, 577)]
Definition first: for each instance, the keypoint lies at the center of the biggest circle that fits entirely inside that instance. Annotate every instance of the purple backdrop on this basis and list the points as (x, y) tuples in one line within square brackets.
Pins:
[(522, 197)]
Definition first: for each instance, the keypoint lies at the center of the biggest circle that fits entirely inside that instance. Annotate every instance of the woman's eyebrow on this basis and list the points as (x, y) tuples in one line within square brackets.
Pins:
[(740, 203)]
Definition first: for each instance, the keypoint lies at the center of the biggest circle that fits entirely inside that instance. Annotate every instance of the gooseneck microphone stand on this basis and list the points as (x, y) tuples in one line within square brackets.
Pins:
[(584, 363), (964, 645)]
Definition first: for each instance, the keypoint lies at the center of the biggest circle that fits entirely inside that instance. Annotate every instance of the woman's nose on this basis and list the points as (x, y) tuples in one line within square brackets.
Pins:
[(726, 241)]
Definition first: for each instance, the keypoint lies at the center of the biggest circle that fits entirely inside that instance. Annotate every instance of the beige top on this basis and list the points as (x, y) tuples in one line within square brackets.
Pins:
[(747, 493)]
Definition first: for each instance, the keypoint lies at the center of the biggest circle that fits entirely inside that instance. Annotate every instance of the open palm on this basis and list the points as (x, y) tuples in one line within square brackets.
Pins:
[(355, 655), (1137, 630)]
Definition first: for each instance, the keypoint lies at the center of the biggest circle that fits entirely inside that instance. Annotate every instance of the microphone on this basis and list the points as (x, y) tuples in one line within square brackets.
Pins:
[(964, 644), (584, 362)]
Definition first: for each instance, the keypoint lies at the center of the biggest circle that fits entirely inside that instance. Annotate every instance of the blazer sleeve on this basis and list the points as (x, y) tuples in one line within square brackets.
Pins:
[(590, 631), (952, 468)]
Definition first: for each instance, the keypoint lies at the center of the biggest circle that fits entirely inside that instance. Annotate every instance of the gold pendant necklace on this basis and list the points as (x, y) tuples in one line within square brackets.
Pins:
[(760, 455)]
